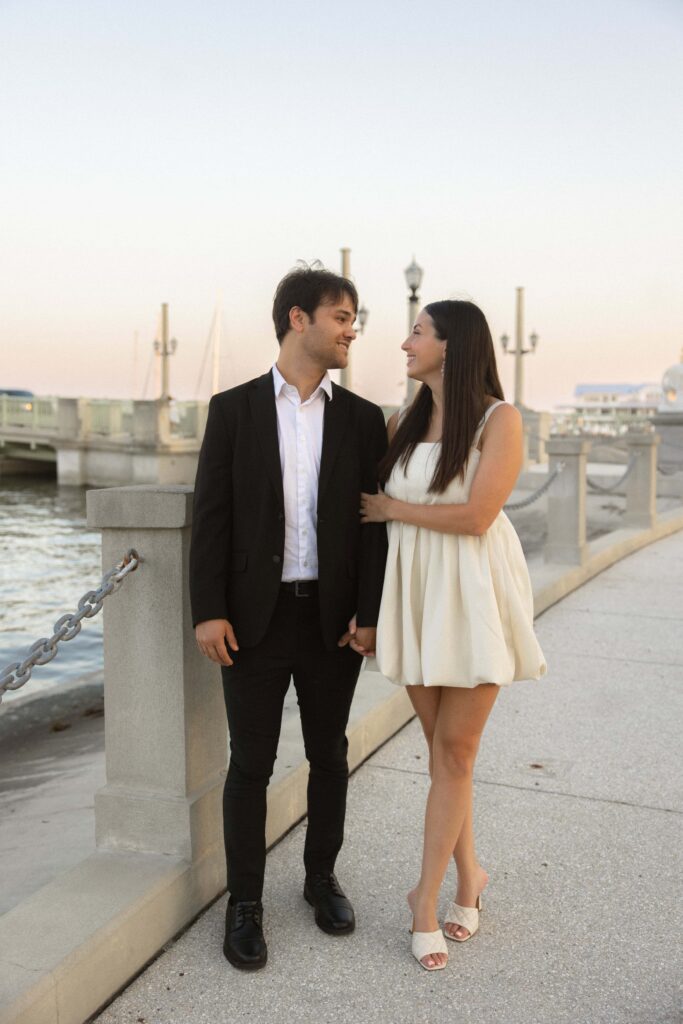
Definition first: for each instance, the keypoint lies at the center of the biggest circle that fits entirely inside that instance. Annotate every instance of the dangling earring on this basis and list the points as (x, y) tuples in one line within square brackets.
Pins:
[(443, 363)]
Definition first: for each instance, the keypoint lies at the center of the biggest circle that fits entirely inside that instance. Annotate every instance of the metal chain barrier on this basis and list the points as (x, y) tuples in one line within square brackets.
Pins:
[(612, 487), (537, 494), (68, 626)]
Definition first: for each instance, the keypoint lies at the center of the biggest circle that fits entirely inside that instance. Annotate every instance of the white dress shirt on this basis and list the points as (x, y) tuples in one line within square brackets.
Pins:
[(300, 440)]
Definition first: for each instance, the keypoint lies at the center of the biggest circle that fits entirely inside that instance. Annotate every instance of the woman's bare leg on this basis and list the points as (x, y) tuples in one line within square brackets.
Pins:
[(472, 879), (460, 720), (471, 876)]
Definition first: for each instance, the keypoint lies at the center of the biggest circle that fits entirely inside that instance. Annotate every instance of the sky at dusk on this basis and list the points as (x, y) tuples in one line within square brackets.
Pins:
[(180, 153)]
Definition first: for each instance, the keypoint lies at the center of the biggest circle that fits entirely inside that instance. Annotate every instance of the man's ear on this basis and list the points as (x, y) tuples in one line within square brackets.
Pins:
[(298, 319)]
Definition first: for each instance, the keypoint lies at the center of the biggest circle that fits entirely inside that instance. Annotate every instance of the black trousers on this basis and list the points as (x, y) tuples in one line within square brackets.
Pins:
[(254, 689)]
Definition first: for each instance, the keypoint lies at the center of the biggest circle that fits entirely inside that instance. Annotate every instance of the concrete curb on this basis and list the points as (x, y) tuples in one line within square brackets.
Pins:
[(71, 946)]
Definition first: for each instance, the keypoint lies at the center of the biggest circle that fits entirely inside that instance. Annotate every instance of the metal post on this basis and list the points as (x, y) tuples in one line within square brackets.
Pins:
[(519, 346), (216, 347), (165, 394), (345, 372), (413, 310)]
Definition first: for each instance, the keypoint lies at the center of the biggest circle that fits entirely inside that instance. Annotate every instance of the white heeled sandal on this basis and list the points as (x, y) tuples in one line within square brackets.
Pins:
[(463, 917), (424, 944)]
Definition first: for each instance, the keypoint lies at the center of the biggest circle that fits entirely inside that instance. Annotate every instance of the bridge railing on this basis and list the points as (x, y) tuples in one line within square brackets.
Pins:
[(189, 419), (38, 415), (88, 419), (107, 418)]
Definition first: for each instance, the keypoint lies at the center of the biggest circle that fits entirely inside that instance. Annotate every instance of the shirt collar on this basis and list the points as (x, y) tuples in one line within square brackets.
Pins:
[(280, 383)]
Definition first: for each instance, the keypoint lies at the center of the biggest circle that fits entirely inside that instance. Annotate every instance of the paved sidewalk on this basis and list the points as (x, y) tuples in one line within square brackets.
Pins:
[(578, 809), (52, 743)]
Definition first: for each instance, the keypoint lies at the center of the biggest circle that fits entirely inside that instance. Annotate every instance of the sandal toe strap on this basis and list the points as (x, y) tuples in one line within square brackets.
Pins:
[(466, 917), (425, 943)]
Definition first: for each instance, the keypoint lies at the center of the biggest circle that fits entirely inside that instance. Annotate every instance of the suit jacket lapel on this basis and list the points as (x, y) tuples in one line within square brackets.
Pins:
[(334, 427), (262, 404)]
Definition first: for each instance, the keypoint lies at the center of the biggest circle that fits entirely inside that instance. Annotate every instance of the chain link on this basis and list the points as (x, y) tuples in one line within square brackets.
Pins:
[(68, 626), (612, 487), (537, 494)]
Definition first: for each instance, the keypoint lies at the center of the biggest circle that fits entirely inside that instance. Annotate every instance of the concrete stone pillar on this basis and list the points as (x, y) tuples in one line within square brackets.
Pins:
[(202, 417), (525, 449), (165, 728), (566, 540), (164, 421), (145, 427), (641, 483), (151, 422), (71, 466), (69, 426)]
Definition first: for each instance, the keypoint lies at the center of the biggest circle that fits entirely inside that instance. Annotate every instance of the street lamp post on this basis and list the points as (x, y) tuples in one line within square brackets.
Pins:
[(413, 275), (519, 349), (165, 348), (362, 317)]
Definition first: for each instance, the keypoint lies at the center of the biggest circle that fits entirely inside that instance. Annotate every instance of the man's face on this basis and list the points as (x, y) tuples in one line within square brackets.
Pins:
[(329, 333)]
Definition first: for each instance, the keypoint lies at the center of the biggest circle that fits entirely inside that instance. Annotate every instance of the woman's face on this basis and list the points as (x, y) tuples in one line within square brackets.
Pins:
[(425, 352)]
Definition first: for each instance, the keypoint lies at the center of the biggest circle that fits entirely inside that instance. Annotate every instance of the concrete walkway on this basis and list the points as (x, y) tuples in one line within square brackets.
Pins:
[(52, 743), (578, 808)]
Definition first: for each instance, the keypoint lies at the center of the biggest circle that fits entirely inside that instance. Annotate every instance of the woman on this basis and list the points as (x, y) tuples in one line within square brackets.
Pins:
[(456, 620)]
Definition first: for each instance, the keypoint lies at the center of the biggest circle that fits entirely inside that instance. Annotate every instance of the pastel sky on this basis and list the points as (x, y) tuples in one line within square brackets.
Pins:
[(176, 152)]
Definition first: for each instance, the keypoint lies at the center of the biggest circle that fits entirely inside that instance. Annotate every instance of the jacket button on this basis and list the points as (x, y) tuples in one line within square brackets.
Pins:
[(277, 559), (320, 519), (280, 516)]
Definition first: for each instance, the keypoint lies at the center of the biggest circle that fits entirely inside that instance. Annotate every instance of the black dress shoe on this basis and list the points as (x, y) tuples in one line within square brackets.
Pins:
[(244, 944), (333, 911)]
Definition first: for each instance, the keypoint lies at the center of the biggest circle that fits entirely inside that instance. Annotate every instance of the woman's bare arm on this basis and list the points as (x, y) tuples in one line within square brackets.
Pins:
[(499, 465)]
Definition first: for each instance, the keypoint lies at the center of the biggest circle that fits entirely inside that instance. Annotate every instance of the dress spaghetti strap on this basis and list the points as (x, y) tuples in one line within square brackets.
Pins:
[(484, 420)]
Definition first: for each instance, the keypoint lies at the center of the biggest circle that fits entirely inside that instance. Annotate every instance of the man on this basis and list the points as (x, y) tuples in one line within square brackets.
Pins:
[(286, 583)]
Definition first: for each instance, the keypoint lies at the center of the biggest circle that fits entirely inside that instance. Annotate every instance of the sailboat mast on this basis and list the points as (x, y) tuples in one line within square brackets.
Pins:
[(216, 353)]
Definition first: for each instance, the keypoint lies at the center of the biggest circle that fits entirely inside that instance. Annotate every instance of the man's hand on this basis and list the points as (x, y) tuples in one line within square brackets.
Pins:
[(361, 639), (365, 641), (214, 637)]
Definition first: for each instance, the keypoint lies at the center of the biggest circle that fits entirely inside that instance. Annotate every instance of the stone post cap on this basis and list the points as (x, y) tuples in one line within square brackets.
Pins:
[(642, 438), (567, 444), (143, 506)]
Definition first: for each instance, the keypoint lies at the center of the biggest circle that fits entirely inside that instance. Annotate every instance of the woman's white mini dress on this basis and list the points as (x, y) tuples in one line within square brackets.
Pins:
[(456, 610)]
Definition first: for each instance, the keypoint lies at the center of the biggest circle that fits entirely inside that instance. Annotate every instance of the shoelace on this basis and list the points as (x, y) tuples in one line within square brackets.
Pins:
[(247, 912), (328, 881)]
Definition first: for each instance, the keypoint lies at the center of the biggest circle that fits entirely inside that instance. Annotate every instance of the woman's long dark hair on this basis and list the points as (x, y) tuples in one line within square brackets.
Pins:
[(470, 374)]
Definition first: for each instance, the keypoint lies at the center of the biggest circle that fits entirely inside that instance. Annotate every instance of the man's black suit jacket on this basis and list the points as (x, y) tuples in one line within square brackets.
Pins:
[(238, 529)]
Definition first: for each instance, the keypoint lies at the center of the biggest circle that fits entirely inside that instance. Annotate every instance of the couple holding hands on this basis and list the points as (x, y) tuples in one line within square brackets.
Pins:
[(301, 566)]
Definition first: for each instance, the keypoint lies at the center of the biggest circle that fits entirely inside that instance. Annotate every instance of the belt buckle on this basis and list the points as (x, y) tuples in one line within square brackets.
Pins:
[(303, 584)]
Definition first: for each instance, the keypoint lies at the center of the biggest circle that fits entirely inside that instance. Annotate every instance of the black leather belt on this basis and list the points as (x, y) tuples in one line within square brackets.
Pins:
[(300, 588)]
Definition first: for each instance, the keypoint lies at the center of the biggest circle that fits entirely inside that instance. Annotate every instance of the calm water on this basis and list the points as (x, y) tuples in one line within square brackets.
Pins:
[(48, 559)]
